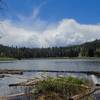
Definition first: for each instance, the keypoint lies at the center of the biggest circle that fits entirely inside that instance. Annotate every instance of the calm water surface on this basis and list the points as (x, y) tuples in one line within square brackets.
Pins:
[(54, 64)]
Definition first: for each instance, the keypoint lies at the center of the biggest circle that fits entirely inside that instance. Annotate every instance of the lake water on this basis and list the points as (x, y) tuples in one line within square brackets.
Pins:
[(44, 64), (54, 64)]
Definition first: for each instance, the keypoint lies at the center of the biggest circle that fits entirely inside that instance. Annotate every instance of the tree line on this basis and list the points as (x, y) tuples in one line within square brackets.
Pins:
[(89, 49)]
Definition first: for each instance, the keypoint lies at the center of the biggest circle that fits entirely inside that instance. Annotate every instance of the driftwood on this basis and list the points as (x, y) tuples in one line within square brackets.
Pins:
[(88, 93), (14, 95), (31, 82), (8, 71)]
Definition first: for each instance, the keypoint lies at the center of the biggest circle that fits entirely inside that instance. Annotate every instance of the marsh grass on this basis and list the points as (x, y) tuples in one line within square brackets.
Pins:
[(61, 88)]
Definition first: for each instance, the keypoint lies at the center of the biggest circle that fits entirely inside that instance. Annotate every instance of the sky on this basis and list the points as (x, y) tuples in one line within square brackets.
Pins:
[(49, 23)]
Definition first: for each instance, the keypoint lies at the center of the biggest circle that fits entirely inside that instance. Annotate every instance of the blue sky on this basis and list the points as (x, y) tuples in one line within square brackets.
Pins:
[(84, 11), (47, 23)]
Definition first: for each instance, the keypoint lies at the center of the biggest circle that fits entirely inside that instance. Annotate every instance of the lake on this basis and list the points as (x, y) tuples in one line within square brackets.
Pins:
[(53, 64), (44, 64)]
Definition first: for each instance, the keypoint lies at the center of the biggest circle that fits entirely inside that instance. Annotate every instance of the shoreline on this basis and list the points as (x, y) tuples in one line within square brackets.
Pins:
[(7, 59), (60, 58), (11, 59)]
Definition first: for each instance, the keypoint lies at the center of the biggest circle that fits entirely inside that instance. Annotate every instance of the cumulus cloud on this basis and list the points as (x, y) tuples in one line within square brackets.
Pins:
[(63, 33)]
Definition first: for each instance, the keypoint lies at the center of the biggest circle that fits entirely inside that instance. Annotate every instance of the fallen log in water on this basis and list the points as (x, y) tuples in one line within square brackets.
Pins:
[(20, 71), (81, 96), (14, 96), (64, 71), (26, 83), (7, 71)]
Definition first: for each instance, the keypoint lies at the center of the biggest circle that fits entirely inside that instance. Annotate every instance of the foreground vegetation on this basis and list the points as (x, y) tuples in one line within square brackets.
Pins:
[(90, 49), (60, 88)]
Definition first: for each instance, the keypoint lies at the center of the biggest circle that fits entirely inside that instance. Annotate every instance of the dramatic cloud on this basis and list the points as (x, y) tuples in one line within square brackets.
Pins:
[(66, 32)]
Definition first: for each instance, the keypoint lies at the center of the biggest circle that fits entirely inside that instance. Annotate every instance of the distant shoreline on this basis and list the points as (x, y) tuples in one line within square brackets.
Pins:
[(62, 58), (8, 58)]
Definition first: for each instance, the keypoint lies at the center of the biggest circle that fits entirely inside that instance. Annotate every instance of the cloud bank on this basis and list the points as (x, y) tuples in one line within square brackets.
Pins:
[(63, 33)]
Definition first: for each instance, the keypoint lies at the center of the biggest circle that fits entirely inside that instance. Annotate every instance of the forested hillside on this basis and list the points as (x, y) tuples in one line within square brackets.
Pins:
[(89, 49)]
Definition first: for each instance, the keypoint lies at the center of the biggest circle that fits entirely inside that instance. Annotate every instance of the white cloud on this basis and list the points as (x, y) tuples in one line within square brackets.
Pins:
[(63, 33), (33, 19)]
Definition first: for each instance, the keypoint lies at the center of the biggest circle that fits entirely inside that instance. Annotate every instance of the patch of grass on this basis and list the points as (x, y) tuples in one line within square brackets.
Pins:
[(62, 88), (6, 59)]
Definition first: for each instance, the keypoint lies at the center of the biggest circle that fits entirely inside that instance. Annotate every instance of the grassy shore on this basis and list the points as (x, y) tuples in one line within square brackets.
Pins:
[(6, 59)]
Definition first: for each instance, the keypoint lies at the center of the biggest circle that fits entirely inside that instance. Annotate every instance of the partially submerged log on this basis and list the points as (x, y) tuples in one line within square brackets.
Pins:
[(20, 71), (26, 83), (7, 71), (88, 93), (14, 95)]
